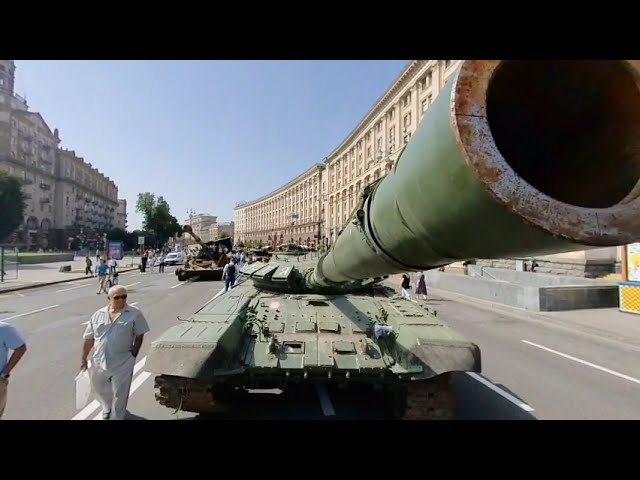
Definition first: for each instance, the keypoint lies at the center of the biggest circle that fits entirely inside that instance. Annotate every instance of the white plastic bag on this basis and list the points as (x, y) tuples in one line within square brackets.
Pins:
[(83, 389)]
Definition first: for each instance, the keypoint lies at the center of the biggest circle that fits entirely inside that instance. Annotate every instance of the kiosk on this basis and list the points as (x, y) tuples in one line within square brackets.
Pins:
[(629, 287)]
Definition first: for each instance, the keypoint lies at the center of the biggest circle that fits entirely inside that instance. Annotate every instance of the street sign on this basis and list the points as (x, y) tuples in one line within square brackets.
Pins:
[(116, 250), (140, 240)]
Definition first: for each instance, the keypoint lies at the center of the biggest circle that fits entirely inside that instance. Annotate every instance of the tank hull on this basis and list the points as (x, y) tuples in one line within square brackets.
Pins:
[(205, 274), (249, 339)]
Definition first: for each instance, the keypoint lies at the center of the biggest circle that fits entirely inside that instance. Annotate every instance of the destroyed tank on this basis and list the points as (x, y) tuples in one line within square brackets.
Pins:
[(514, 158), (210, 260)]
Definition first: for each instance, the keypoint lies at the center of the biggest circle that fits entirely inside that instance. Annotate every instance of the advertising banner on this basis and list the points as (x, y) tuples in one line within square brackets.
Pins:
[(116, 250)]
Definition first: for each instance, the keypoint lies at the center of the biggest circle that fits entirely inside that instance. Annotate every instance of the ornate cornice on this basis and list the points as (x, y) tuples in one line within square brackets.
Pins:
[(402, 81), (307, 173)]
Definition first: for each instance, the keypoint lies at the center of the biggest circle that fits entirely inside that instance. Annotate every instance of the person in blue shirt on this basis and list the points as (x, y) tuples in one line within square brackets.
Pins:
[(102, 270), (10, 339)]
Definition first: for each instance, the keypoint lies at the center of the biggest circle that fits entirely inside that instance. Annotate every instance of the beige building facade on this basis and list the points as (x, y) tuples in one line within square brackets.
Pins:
[(221, 230), (293, 213), (66, 197), (201, 225), (208, 228), (365, 155), (121, 214), (86, 198)]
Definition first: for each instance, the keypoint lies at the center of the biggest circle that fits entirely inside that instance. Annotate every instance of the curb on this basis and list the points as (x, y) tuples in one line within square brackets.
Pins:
[(45, 284), (529, 315)]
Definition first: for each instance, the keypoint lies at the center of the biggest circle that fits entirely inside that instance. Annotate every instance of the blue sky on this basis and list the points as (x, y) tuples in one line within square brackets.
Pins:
[(203, 134)]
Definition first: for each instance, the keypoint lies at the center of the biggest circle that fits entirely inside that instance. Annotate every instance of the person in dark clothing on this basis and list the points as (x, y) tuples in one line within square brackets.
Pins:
[(405, 284), (229, 275)]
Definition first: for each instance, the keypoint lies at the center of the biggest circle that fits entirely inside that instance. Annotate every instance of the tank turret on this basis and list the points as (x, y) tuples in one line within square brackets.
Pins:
[(514, 158)]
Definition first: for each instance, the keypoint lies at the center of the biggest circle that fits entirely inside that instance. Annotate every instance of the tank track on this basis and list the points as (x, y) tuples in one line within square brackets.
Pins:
[(432, 400), (187, 395)]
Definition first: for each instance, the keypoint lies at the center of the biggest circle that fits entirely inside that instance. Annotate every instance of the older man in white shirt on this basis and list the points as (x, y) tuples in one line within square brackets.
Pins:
[(116, 331)]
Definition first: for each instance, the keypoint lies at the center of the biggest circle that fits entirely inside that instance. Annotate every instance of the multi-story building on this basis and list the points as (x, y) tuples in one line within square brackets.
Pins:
[(121, 214), (66, 197), (292, 213), (85, 197), (368, 152)]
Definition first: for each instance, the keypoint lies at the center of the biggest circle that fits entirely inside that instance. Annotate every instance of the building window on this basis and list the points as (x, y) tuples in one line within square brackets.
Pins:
[(407, 120)]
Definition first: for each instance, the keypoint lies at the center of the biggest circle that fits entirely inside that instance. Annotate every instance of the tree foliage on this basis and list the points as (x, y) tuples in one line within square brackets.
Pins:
[(12, 204), (157, 216)]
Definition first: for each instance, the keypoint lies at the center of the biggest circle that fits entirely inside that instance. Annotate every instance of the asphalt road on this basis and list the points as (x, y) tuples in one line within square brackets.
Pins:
[(531, 369)]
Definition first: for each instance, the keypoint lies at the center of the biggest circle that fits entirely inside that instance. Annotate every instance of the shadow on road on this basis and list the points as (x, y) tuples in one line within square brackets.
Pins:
[(476, 401)]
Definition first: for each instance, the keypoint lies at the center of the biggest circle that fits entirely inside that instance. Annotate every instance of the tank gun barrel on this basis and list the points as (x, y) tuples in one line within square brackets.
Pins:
[(206, 250), (514, 158)]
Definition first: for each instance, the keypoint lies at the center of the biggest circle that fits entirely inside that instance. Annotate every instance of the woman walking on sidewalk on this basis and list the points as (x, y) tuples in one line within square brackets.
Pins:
[(421, 289)]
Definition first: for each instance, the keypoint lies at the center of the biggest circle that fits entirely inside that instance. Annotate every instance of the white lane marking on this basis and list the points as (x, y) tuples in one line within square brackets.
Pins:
[(584, 362), (325, 401), (131, 285), (176, 286), (501, 392), (136, 274), (135, 385), (87, 411), (72, 288), (132, 304), (10, 294), (28, 313)]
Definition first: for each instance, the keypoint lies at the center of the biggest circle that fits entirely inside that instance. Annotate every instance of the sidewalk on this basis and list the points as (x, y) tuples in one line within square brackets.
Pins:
[(37, 275), (606, 322)]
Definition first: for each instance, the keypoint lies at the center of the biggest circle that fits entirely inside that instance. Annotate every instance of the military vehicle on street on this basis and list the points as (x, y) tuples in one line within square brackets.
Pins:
[(513, 159)]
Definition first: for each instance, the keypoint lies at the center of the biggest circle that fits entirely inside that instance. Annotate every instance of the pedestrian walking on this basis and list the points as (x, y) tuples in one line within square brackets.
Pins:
[(10, 339), (88, 264), (102, 271), (115, 333), (421, 289), (229, 275), (405, 284)]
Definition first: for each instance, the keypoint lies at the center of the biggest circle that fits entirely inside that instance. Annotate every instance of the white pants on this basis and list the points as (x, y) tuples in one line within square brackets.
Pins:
[(111, 388), (405, 293)]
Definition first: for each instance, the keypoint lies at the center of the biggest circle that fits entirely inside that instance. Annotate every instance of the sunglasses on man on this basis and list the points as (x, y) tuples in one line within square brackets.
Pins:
[(119, 297)]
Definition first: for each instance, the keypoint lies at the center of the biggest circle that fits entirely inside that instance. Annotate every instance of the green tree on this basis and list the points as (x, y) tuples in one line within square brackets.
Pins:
[(145, 204), (157, 216), (12, 204)]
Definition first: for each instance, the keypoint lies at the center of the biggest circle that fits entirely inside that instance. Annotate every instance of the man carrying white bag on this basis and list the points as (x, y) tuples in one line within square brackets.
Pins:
[(116, 331)]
